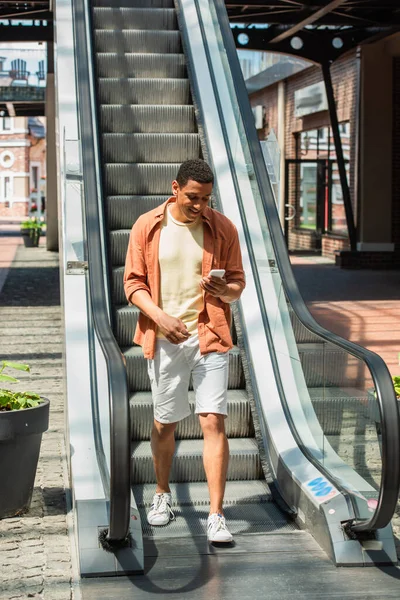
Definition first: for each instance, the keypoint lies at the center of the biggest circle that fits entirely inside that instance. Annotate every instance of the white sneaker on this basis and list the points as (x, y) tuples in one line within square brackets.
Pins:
[(160, 512), (217, 530)]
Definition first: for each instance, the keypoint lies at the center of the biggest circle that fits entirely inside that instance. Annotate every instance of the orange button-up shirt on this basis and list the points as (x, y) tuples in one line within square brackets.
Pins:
[(142, 272)]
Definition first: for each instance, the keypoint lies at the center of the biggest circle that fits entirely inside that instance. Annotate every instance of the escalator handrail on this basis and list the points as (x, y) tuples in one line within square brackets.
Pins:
[(119, 479), (387, 403)]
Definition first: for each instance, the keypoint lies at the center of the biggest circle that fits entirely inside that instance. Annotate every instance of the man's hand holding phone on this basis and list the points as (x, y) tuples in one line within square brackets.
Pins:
[(214, 283)]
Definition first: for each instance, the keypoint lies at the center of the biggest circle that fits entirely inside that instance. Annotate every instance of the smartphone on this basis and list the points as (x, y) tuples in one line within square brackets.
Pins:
[(217, 273)]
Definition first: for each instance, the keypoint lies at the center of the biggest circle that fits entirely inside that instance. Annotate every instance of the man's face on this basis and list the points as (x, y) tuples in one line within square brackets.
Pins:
[(191, 200)]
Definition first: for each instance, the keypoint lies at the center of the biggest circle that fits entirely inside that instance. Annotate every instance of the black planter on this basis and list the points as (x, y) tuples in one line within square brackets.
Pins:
[(30, 241), (20, 437)]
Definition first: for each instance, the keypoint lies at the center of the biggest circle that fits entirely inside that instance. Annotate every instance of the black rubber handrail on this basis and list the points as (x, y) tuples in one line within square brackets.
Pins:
[(390, 481), (119, 476)]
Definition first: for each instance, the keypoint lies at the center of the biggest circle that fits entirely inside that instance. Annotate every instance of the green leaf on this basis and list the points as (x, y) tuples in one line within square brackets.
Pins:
[(8, 378), (18, 366)]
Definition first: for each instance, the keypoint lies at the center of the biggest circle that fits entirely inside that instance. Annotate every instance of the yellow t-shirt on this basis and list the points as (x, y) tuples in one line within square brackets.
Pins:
[(180, 257)]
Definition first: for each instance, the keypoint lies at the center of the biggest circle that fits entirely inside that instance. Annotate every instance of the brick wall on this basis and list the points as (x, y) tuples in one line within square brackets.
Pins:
[(18, 209), (268, 97), (344, 80)]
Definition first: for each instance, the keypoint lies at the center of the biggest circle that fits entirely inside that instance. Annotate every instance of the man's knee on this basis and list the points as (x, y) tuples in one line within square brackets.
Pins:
[(163, 430), (212, 423)]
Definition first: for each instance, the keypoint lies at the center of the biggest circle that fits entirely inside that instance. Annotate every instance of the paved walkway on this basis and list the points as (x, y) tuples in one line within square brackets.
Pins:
[(34, 548), (361, 306)]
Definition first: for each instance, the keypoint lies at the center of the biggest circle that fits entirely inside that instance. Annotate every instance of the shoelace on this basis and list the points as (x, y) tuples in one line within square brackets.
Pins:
[(217, 521), (161, 505)]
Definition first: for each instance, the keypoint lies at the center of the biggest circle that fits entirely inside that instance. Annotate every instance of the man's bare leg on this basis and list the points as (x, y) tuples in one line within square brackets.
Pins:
[(163, 447), (215, 458)]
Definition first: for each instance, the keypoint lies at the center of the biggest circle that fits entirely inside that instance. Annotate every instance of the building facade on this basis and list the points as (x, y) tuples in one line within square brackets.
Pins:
[(366, 83), (22, 166)]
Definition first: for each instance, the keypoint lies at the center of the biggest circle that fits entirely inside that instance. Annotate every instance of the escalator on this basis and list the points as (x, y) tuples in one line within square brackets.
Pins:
[(164, 89), (149, 122)]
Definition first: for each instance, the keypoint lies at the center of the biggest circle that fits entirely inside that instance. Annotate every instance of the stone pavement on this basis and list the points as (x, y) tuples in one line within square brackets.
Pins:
[(35, 558)]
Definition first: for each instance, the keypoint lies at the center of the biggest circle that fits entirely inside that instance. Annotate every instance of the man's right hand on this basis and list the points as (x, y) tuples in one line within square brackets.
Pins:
[(174, 329)]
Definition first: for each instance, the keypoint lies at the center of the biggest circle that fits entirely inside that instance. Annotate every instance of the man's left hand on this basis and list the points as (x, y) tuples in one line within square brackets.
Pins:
[(216, 286)]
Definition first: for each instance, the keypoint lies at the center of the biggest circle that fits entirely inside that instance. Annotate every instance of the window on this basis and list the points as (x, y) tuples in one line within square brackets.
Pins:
[(35, 178), (7, 159), (6, 123), (7, 193)]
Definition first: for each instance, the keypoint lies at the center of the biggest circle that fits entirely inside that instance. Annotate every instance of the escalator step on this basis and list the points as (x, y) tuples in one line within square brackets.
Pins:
[(138, 380), (187, 466), (196, 493), (143, 91), (134, 18), (118, 245), (147, 119), (138, 3), (139, 179), (326, 365), (126, 318), (237, 424), (131, 40), (150, 147), (110, 64), (123, 211)]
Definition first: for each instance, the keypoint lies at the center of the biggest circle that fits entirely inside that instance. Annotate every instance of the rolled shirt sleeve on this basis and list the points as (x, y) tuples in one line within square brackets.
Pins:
[(135, 275)]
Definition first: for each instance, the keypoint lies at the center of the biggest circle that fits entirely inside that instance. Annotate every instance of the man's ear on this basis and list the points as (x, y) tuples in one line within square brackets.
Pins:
[(175, 187)]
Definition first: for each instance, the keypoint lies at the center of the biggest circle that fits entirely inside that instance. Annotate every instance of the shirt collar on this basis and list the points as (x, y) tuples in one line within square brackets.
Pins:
[(206, 216)]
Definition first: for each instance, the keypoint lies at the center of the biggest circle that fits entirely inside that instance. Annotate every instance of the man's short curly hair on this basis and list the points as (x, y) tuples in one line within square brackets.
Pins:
[(195, 169)]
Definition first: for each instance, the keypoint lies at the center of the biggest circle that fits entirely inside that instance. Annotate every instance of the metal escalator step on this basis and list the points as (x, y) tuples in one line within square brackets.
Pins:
[(344, 410), (187, 466), (132, 40), (126, 318), (237, 424), (139, 179), (147, 119), (141, 66), (150, 147), (301, 333), (122, 211), (255, 491), (134, 18), (143, 91), (138, 3), (118, 245), (326, 365), (138, 380)]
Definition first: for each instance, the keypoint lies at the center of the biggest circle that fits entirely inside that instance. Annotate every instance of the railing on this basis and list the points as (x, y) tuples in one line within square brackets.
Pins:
[(119, 475)]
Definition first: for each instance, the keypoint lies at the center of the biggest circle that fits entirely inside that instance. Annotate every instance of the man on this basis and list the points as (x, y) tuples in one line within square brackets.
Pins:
[(184, 326)]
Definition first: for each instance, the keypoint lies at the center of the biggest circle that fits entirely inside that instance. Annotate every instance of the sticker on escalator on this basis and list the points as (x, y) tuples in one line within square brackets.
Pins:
[(321, 489)]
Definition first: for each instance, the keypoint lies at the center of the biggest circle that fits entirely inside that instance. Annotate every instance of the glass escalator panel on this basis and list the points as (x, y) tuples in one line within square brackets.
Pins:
[(328, 392)]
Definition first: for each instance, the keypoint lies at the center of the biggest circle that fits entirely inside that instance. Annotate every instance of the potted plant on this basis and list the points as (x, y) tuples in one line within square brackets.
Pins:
[(31, 230), (24, 416)]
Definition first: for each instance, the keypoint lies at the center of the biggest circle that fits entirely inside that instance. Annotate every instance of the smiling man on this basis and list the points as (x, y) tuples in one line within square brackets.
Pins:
[(184, 326)]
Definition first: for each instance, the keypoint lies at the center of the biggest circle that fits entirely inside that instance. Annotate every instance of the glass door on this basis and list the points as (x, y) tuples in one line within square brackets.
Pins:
[(305, 202)]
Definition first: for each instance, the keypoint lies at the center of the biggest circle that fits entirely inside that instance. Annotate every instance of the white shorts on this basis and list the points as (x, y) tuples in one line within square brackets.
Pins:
[(170, 372)]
